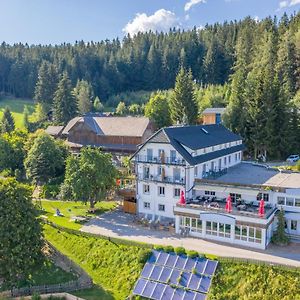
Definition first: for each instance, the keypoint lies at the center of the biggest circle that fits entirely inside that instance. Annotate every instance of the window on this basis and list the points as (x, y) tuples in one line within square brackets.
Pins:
[(289, 201), (209, 193), (280, 200), (146, 172), (239, 155), (248, 233), (220, 164), (176, 193), (161, 207), (161, 190), (225, 161), (204, 150), (297, 202), (235, 197), (146, 189), (213, 148), (262, 196), (149, 154), (161, 155), (173, 155), (235, 156), (229, 159), (293, 225), (195, 171), (147, 205), (159, 170)]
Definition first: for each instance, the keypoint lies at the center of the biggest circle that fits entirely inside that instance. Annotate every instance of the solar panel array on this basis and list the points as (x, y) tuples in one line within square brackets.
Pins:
[(167, 276)]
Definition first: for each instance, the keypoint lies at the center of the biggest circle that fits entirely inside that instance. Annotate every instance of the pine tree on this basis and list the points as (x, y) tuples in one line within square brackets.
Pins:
[(237, 112), (83, 92), (64, 105), (280, 237), (26, 122), (7, 121), (183, 106), (46, 85)]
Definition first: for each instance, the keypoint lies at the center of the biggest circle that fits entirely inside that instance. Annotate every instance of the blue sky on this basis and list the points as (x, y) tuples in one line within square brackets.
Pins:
[(57, 21)]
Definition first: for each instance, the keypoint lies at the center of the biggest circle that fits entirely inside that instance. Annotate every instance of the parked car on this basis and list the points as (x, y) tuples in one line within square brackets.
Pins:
[(293, 158)]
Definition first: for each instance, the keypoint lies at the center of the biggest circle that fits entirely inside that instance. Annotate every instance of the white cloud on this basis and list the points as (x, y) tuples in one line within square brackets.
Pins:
[(161, 20), (256, 19), (294, 2), (286, 3), (191, 3), (283, 4), (187, 17)]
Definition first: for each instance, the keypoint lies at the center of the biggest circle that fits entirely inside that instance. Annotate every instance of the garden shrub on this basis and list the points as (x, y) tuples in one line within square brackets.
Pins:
[(158, 247), (168, 249), (180, 250), (192, 254)]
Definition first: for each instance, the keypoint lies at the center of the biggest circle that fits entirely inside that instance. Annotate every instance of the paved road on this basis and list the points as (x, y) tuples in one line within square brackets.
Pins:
[(118, 224)]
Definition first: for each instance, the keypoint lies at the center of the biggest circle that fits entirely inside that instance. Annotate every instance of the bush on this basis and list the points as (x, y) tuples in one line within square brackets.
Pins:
[(143, 257), (179, 250), (168, 249), (50, 191), (158, 247), (192, 254)]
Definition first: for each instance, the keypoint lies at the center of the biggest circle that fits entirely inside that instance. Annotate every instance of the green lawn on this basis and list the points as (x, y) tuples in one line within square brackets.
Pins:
[(237, 281), (70, 209), (17, 107), (46, 275), (114, 268)]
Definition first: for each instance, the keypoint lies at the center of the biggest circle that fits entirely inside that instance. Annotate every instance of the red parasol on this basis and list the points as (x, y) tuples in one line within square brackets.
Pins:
[(182, 199), (261, 210), (228, 206)]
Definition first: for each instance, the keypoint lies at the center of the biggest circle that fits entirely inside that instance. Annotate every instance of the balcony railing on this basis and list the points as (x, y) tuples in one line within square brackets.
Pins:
[(160, 160), (163, 179)]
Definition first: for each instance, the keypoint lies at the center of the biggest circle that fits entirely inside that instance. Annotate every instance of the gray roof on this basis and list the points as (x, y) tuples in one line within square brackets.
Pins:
[(259, 175), (214, 110), (109, 147), (54, 130), (197, 137), (112, 126)]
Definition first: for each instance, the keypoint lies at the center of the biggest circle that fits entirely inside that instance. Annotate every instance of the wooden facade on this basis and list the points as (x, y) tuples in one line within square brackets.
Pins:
[(82, 134)]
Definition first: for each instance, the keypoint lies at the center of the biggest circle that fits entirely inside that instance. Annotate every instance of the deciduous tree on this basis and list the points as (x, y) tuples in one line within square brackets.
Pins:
[(45, 159), (157, 110), (20, 233), (89, 176)]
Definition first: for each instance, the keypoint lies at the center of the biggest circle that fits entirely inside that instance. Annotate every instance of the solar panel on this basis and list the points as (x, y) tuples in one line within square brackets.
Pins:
[(167, 276)]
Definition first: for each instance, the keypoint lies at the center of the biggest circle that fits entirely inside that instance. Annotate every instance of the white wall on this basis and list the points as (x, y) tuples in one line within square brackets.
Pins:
[(154, 199)]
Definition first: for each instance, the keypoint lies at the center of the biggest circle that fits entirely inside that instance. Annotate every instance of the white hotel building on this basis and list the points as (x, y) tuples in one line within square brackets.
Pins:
[(205, 162)]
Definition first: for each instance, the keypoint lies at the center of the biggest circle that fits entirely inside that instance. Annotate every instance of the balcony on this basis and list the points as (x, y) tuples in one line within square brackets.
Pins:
[(160, 160), (162, 179)]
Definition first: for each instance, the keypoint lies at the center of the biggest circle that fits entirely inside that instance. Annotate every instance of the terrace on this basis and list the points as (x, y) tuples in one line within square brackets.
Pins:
[(239, 207)]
